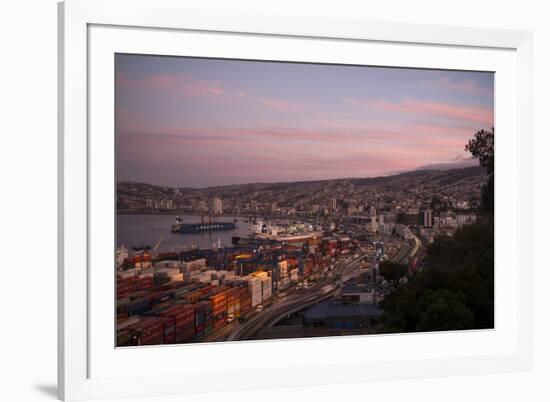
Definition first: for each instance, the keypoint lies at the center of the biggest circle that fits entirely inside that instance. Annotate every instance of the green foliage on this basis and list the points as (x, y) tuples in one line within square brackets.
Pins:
[(455, 290), (488, 196), (443, 310), (482, 148), (392, 272)]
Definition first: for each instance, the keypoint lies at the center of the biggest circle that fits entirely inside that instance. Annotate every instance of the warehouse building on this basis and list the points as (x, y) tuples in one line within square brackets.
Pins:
[(337, 315)]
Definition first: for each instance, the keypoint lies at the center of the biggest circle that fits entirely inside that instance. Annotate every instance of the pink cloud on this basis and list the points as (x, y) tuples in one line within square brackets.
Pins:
[(187, 86), (371, 135), (438, 129), (469, 86), (475, 114), (175, 84)]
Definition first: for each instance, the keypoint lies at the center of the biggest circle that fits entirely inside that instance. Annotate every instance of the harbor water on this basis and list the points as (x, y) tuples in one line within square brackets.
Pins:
[(148, 230)]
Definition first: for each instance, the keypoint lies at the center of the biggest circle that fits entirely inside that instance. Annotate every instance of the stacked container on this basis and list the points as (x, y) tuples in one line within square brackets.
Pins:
[(127, 286), (245, 300), (266, 288), (260, 274), (160, 278), (169, 330), (196, 265), (219, 309), (233, 301), (184, 316), (185, 289), (123, 338), (168, 264), (142, 261), (148, 331), (283, 269), (161, 297), (192, 297), (294, 274), (255, 288), (308, 266), (203, 319), (138, 306), (229, 277), (204, 278)]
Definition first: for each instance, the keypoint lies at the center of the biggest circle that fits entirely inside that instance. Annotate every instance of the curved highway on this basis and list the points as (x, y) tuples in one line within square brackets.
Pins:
[(295, 302)]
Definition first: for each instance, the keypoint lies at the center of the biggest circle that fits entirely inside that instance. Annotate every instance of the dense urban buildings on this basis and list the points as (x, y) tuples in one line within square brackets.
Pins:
[(322, 252)]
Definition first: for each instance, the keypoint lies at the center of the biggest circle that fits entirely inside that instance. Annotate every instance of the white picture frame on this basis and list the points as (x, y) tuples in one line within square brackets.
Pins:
[(84, 26)]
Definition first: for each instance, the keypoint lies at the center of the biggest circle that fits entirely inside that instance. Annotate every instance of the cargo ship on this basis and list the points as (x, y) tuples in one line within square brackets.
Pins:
[(203, 226)]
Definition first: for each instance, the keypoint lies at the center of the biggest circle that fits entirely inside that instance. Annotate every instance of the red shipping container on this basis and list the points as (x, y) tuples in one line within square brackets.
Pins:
[(184, 315), (169, 330), (149, 331), (219, 323)]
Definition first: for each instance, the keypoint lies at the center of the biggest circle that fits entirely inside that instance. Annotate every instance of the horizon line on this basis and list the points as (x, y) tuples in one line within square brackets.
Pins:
[(300, 181)]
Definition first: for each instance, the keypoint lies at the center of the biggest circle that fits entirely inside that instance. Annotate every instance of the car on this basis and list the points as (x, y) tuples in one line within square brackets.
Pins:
[(259, 308), (230, 318)]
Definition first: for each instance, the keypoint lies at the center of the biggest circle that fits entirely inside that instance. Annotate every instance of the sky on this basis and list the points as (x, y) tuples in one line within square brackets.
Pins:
[(197, 122)]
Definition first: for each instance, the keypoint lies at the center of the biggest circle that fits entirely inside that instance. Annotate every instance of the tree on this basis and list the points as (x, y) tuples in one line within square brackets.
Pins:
[(455, 289), (482, 148), (444, 310), (392, 272)]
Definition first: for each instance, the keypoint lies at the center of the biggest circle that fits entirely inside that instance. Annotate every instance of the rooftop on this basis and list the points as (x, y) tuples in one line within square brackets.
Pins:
[(357, 288), (330, 309)]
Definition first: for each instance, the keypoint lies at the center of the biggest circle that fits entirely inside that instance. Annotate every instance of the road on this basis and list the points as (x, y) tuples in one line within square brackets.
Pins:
[(296, 301), (407, 252)]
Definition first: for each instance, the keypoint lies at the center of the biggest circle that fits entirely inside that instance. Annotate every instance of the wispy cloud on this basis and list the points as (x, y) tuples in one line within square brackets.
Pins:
[(466, 85), (174, 84), (477, 114)]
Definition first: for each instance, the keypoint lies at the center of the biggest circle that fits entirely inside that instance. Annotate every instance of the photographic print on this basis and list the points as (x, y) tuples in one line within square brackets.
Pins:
[(273, 200)]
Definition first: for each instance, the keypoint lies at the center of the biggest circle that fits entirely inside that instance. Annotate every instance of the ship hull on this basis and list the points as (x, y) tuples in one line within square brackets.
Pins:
[(202, 227)]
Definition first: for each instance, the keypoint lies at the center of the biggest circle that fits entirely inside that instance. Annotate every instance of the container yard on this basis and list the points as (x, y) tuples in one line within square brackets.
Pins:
[(168, 298)]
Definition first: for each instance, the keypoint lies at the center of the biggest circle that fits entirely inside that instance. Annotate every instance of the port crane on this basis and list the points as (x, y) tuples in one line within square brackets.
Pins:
[(157, 245)]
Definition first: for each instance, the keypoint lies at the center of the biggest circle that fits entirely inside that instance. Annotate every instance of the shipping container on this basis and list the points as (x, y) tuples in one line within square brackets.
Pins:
[(148, 331), (185, 335), (123, 338), (219, 304), (192, 297), (183, 314), (218, 323), (140, 294), (169, 330), (138, 306), (160, 297)]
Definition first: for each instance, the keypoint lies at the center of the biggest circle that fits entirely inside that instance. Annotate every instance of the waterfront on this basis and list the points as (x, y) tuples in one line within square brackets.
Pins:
[(147, 230)]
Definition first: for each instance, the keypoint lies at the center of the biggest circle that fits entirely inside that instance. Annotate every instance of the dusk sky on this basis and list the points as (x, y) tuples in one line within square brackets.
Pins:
[(190, 122)]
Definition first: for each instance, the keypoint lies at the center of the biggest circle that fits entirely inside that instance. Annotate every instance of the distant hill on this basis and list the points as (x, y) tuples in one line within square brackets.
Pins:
[(450, 165), (428, 175)]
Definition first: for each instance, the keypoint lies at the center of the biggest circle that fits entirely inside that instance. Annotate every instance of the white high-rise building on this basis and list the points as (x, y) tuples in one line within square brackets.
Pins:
[(373, 224), (428, 219), (202, 206), (218, 206)]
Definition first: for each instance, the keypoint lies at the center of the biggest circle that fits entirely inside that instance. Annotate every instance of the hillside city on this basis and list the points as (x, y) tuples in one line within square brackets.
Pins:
[(311, 264)]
